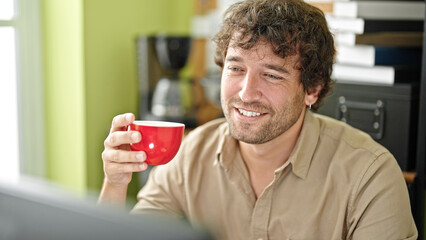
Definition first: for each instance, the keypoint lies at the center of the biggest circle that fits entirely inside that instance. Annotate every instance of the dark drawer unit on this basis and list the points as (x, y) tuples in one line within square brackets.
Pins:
[(388, 113)]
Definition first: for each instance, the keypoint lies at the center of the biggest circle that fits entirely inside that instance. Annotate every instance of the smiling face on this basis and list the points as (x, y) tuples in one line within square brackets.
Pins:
[(261, 93)]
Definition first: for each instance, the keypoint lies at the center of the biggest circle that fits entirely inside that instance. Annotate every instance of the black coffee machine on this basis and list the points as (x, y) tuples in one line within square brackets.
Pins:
[(163, 94)]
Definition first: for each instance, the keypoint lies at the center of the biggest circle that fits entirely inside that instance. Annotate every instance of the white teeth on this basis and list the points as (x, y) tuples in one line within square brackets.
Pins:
[(248, 114)]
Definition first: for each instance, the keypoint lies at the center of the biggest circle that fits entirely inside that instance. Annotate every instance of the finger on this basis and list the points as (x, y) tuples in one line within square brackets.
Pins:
[(119, 122), (118, 138), (117, 168), (121, 156)]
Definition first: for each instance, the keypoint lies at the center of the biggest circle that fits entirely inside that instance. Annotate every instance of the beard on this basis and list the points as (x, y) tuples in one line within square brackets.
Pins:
[(262, 131)]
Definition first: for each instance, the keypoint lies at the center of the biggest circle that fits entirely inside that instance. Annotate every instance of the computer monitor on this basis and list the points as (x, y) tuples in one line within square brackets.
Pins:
[(40, 212)]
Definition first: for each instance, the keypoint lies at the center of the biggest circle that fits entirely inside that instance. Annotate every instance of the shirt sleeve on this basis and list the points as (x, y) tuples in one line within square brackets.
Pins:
[(164, 190), (380, 205)]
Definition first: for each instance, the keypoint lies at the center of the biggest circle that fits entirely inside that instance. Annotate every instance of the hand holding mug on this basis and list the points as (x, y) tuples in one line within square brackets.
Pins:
[(119, 161)]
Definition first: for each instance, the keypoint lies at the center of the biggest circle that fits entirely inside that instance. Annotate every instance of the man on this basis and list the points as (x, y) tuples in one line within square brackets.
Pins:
[(273, 169)]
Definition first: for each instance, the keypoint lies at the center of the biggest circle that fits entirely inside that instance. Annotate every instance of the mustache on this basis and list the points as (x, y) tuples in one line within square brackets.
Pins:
[(255, 106)]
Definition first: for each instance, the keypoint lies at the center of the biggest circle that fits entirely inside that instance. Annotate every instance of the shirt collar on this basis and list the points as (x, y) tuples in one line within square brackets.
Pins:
[(306, 144), (300, 158)]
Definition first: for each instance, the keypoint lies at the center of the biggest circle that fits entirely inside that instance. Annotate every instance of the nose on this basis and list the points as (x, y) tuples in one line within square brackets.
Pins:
[(250, 91)]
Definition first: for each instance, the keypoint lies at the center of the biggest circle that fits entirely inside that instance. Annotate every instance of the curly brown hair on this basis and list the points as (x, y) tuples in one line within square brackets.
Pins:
[(292, 27)]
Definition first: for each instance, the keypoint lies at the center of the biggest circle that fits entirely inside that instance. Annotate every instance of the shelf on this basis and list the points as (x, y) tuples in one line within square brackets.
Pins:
[(409, 176)]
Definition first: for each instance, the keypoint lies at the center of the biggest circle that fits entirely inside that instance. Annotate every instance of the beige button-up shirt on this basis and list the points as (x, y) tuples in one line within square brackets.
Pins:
[(337, 184)]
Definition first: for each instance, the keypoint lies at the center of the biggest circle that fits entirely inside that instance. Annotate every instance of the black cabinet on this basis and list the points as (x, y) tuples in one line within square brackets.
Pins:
[(419, 187), (388, 113)]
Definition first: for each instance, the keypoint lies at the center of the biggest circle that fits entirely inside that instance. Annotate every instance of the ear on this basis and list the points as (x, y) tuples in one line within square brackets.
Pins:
[(311, 95)]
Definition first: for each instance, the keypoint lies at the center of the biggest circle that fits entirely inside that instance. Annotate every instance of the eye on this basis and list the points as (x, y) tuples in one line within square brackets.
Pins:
[(234, 69), (272, 76)]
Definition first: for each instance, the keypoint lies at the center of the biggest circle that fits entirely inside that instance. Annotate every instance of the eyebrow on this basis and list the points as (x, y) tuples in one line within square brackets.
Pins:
[(233, 59), (269, 66)]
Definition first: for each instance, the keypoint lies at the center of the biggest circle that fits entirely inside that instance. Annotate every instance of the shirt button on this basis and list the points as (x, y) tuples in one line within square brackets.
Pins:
[(260, 239)]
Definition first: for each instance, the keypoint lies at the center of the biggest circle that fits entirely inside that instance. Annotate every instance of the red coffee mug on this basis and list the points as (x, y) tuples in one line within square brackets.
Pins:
[(160, 140)]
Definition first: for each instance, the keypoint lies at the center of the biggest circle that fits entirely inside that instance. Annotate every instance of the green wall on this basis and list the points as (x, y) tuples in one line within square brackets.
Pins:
[(64, 93), (91, 76)]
